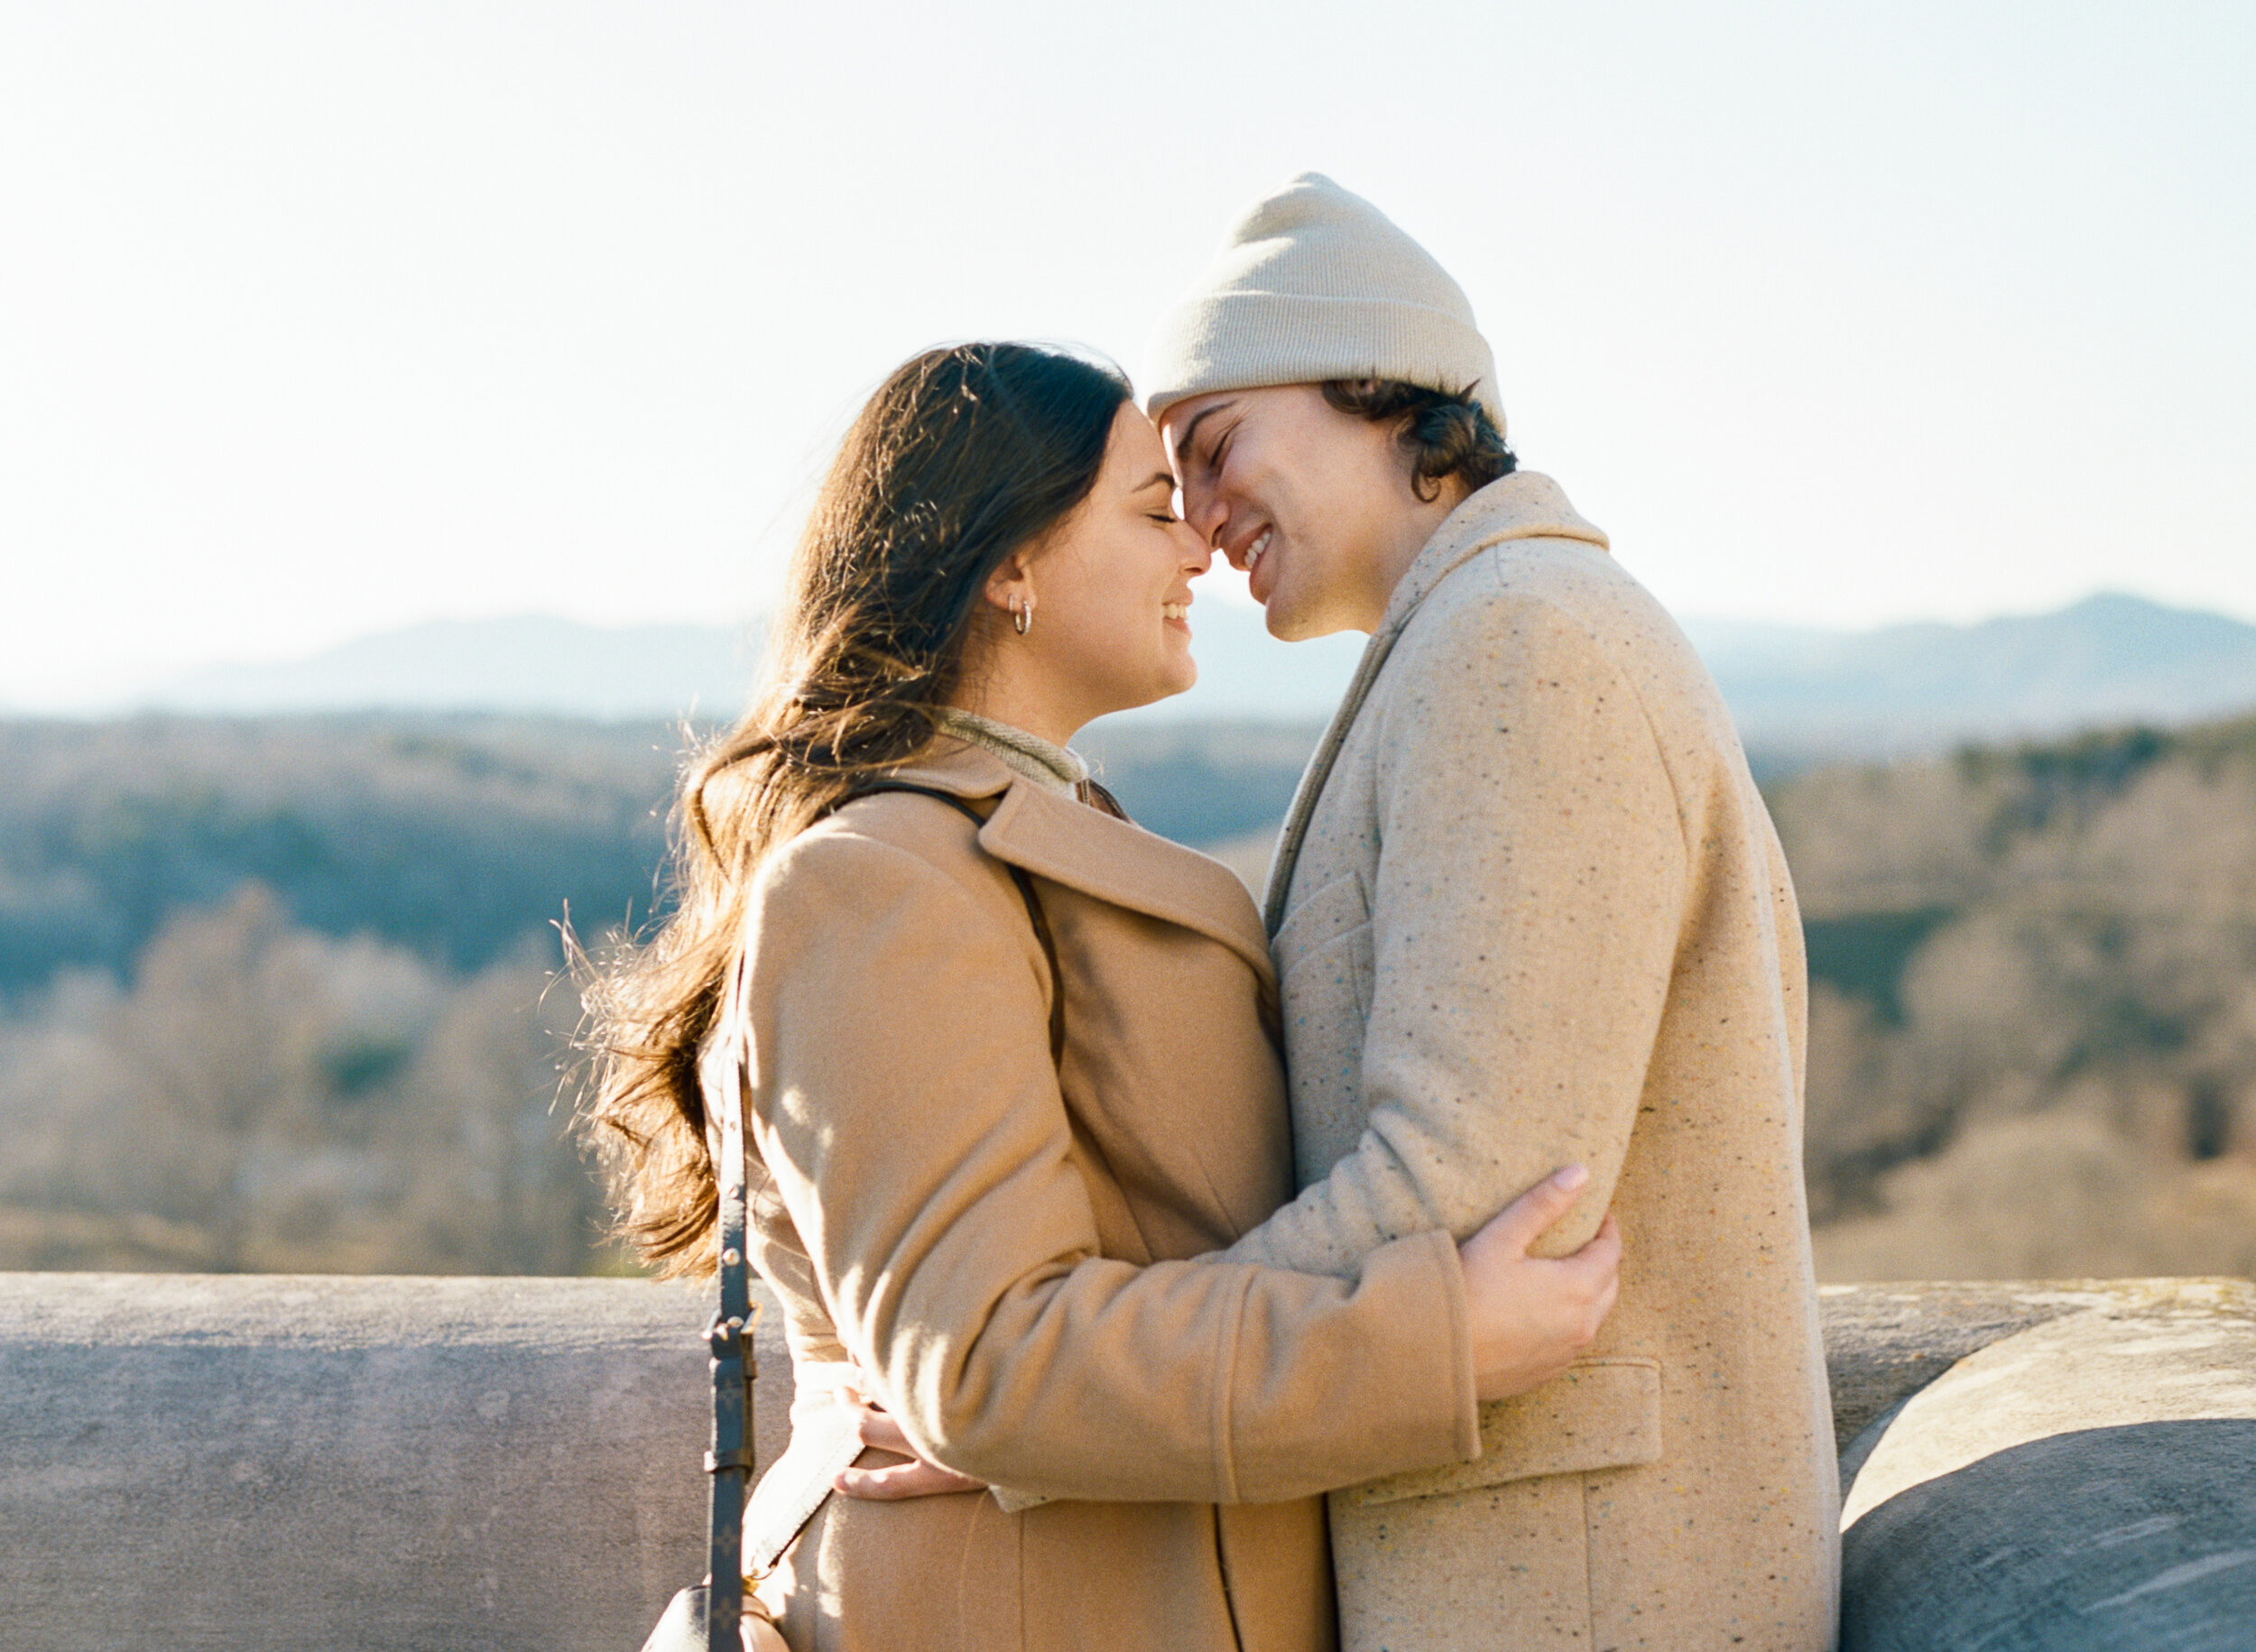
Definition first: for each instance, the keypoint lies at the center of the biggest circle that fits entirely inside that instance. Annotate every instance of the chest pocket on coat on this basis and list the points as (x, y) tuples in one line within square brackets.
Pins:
[(1324, 951)]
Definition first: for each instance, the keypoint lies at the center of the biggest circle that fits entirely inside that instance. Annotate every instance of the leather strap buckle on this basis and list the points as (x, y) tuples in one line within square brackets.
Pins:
[(726, 1337)]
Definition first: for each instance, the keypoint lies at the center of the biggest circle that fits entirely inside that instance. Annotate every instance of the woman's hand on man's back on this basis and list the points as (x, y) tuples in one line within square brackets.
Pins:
[(1530, 1316)]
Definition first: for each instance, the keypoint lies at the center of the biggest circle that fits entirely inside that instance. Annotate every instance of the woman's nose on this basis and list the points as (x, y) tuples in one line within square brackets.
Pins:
[(1197, 553)]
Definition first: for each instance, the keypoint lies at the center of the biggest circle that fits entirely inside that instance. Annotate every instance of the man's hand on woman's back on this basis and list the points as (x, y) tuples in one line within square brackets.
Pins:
[(893, 1483)]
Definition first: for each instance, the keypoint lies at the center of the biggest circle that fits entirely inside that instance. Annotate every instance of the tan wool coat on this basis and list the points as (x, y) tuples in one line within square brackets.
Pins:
[(1529, 909), (1000, 1250)]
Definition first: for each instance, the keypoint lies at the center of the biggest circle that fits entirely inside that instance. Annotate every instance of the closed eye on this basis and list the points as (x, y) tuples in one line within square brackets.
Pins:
[(1162, 482), (1187, 444)]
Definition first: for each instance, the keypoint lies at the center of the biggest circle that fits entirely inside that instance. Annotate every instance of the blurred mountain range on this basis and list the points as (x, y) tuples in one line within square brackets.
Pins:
[(541, 665), (1803, 695), (527, 663), (1800, 695)]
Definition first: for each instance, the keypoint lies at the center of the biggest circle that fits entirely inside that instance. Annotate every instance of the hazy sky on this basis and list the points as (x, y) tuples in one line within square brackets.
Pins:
[(321, 317)]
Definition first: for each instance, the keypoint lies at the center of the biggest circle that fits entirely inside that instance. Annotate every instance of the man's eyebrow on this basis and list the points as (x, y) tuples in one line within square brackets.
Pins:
[(1182, 442)]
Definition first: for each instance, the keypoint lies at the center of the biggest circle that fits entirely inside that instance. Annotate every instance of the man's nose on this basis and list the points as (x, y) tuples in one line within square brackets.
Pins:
[(1203, 510)]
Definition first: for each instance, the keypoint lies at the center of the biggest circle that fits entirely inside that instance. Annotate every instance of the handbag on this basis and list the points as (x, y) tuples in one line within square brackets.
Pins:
[(746, 1538)]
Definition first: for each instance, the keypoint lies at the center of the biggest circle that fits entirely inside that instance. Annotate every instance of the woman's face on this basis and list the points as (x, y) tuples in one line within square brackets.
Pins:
[(1112, 593)]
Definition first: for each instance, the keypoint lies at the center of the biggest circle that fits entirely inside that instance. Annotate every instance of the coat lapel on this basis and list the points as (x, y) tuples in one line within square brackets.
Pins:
[(1117, 861), (1522, 505)]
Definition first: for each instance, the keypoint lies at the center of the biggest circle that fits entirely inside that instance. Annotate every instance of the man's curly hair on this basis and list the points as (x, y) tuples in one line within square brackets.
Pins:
[(1446, 433)]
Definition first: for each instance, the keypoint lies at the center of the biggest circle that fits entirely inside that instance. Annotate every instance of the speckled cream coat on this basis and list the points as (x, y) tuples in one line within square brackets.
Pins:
[(1530, 909), (997, 1242)]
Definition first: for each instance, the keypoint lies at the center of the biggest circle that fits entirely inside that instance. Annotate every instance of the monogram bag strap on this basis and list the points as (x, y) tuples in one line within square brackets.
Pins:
[(729, 1462)]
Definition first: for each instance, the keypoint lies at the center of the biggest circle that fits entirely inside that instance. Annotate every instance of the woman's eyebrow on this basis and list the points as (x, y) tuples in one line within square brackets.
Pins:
[(1158, 479)]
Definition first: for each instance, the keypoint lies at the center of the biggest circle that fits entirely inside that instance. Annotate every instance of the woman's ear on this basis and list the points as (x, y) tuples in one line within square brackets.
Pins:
[(1011, 587)]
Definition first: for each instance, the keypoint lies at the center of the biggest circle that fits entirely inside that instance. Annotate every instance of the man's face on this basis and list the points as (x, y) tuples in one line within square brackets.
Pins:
[(1312, 503)]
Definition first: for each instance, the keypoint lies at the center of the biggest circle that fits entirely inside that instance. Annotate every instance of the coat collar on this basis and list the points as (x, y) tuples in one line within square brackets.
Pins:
[(1523, 505), (1067, 842)]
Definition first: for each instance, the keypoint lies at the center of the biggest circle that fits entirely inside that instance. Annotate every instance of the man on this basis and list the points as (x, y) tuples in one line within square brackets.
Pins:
[(1527, 909)]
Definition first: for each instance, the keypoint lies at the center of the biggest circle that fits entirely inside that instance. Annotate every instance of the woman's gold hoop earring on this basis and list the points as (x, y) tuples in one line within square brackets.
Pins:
[(1021, 614)]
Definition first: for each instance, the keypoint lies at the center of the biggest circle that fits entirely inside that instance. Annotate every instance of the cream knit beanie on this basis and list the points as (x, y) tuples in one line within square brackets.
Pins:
[(1316, 283)]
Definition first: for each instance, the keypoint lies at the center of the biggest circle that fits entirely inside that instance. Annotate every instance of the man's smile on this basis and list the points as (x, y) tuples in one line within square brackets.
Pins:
[(1244, 550)]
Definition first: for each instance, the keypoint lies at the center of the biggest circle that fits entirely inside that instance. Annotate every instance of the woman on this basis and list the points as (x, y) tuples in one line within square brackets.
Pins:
[(990, 1128)]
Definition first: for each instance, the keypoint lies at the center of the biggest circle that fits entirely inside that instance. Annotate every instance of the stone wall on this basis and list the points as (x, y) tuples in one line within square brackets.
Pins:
[(413, 1464), (2048, 1468)]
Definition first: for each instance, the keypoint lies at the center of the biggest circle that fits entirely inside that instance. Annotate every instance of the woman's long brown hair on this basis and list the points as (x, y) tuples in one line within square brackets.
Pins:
[(963, 454)]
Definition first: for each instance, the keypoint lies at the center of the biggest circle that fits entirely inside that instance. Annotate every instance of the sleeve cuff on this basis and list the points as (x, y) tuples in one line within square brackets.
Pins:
[(1466, 1395)]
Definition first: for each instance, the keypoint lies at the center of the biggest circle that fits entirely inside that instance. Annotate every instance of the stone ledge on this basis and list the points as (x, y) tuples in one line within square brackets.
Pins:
[(408, 1463), (352, 1463), (1884, 1343), (2086, 1480)]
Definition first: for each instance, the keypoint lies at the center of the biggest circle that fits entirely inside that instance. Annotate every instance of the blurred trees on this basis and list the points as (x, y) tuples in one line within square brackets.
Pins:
[(277, 993), (281, 995), (263, 1097), (2033, 1008), (450, 835)]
